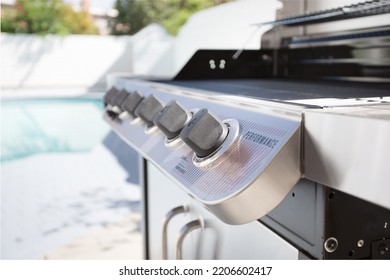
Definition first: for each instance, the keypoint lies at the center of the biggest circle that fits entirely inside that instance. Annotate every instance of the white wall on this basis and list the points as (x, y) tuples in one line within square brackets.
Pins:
[(81, 61), (153, 51), (77, 61)]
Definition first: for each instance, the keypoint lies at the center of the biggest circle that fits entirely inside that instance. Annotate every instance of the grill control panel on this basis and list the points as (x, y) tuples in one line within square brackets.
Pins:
[(239, 160)]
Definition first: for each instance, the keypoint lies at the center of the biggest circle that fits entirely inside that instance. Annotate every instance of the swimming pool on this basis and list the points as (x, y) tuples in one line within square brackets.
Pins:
[(50, 125), (64, 175)]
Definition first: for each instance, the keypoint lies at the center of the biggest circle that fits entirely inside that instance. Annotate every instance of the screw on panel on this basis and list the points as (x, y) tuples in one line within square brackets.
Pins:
[(222, 63), (360, 243), (331, 244), (212, 64)]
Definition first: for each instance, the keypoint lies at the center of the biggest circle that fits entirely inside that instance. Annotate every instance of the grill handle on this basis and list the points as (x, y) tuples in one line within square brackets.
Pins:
[(167, 218), (184, 231)]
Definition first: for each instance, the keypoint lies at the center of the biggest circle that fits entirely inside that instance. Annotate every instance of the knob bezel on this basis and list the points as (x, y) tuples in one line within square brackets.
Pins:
[(233, 127), (199, 124)]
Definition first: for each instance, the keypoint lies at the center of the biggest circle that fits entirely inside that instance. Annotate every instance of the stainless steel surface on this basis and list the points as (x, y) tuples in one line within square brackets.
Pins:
[(217, 240), (268, 145), (347, 148), (268, 189), (325, 156), (361, 121), (184, 231), (167, 218)]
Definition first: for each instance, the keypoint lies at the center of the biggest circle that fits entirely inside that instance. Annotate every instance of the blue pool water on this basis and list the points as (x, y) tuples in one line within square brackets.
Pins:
[(35, 126)]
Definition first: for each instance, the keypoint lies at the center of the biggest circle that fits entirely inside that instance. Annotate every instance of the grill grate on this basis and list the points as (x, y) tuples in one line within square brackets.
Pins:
[(363, 9)]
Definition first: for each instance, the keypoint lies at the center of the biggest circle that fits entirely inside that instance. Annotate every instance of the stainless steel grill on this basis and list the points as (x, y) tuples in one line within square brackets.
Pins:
[(292, 139)]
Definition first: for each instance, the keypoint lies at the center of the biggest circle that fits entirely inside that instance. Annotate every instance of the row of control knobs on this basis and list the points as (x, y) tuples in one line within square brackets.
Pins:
[(202, 131)]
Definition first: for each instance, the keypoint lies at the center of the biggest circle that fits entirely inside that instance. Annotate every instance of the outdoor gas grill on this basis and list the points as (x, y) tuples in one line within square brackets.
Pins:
[(280, 152)]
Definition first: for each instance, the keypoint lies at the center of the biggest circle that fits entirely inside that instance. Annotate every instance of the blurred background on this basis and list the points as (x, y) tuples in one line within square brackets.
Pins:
[(69, 186)]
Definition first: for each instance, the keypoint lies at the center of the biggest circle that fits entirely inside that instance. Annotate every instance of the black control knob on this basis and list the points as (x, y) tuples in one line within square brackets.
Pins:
[(110, 94), (148, 109), (171, 119), (204, 133), (131, 103), (120, 98)]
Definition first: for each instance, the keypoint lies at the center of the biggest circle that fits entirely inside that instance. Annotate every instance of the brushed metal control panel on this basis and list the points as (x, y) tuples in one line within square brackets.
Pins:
[(246, 175)]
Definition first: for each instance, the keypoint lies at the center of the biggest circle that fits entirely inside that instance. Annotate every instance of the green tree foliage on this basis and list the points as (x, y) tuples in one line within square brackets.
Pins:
[(46, 17), (133, 15)]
